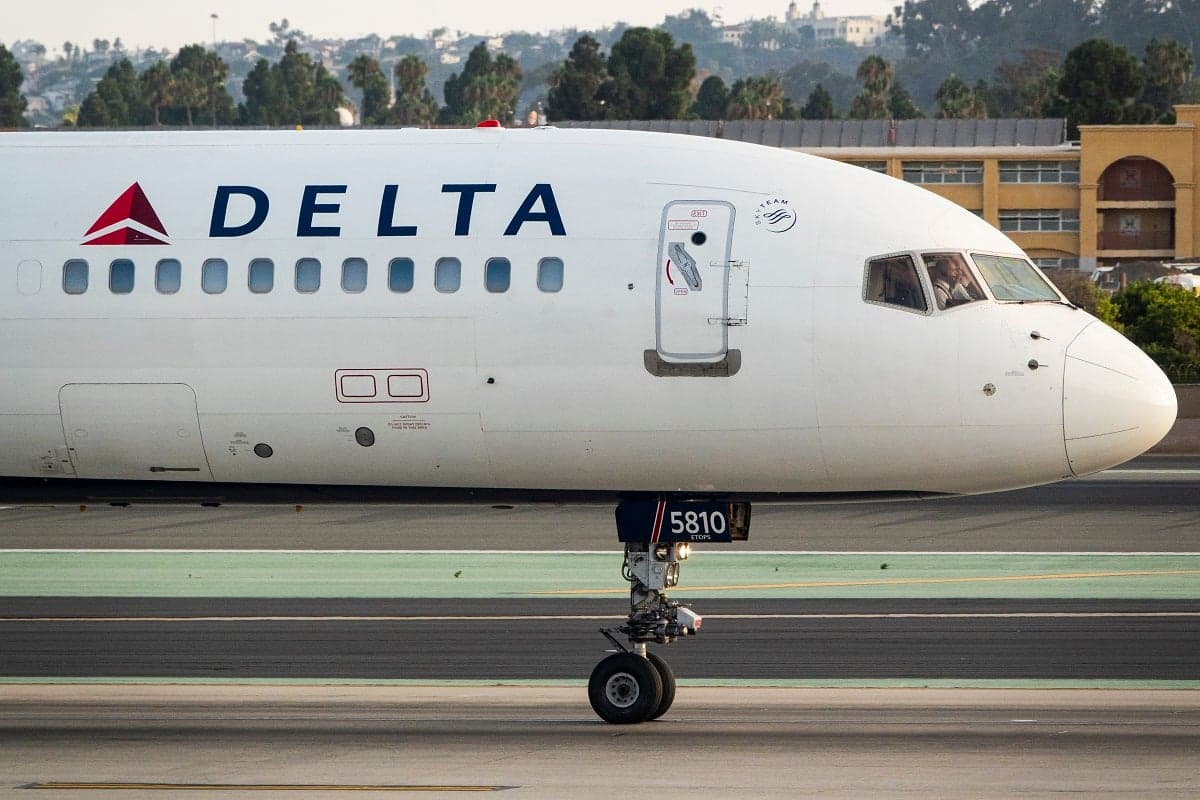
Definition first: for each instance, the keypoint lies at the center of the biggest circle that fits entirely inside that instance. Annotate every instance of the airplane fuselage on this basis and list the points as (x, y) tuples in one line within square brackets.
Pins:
[(542, 309)]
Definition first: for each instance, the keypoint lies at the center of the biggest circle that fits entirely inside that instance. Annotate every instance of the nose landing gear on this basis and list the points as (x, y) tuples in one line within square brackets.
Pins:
[(633, 685)]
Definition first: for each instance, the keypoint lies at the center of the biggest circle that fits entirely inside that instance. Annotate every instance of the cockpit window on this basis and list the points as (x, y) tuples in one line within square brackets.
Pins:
[(953, 283), (893, 281), (1012, 278)]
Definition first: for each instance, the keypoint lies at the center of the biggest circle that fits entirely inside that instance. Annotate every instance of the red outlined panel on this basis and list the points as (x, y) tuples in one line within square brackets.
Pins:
[(382, 385)]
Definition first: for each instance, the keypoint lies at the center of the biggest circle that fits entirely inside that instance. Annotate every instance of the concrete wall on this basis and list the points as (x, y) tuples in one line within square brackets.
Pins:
[(1185, 436)]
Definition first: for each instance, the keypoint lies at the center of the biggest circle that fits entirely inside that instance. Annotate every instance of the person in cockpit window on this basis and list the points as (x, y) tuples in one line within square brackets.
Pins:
[(953, 283)]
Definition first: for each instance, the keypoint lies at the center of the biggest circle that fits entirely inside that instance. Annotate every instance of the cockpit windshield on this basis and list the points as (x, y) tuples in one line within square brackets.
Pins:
[(1012, 278), (953, 283)]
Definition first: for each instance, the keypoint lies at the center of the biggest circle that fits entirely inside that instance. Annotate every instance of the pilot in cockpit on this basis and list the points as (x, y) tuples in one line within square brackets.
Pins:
[(953, 283)]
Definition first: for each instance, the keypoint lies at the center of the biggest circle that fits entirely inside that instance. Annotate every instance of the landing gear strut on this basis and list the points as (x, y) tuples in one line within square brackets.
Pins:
[(634, 685)]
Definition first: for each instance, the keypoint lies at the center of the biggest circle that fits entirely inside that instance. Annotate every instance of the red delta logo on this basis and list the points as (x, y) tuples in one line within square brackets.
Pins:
[(129, 220)]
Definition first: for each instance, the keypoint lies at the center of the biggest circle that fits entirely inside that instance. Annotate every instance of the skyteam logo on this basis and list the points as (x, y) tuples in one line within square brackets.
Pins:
[(129, 220), (776, 215)]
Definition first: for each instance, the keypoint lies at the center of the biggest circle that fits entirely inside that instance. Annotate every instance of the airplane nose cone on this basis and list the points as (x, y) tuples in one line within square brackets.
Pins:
[(1117, 403)]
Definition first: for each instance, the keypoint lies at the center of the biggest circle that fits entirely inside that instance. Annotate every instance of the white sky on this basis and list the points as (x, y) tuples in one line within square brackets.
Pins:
[(173, 23)]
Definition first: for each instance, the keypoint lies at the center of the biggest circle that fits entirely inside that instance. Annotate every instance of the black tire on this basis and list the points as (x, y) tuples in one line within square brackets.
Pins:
[(625, 689), (668, 684)]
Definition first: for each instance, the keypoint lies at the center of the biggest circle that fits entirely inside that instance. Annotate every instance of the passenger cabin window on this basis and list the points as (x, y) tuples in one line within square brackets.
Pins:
[(75, 276), (120, 276), (400, 275), (550, 275), (308, 275), (354, 275), (168, 276), (214, 275), (261, 278), (953, 283), (497, 275), (447, 275), (894, 282), (1012, 278)]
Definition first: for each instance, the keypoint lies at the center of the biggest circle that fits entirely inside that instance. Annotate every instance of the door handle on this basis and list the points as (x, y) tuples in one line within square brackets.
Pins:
[(686, 264)]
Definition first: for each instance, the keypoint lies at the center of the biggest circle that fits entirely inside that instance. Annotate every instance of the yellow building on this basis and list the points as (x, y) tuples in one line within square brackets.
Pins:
[(1122, 193)]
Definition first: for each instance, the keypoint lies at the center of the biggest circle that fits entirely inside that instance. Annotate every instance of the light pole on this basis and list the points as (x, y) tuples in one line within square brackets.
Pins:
[(214, 24)]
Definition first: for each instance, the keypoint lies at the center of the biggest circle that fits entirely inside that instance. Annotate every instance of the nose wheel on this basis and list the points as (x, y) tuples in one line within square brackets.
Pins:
[(634, 685), (626, 688)]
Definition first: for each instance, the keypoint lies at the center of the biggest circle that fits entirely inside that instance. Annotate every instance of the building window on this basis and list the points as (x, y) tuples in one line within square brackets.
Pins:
[(1056, 263), (354, 275), (214, 275), (943, 171), (874, 166), (1029, 220), (120, 276), (447, 275), (75, 276), (497, 274), (550, 275), (168, 276), (400, 275), (308, 275), (1039, 172), (261, 278)]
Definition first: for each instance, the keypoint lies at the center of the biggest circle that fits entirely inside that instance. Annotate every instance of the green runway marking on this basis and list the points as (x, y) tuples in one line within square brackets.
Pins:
[(309, 574)]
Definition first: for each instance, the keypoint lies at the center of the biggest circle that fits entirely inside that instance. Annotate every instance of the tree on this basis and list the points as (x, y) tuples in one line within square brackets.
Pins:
[(12, 102), (415, 104), (756, 98), (693, 25), (157, 86), (1099, 86), (876, 75), (712, 101), (1081, 290), (199, 94), (956, 100), (1164, 320), (936, 27), (1029, 87), (900, 104), (293, 91), (649, 76), (819, 105), (1167, 68), (487, 88), (116, 101), (575, 87), (367, 76), (802, 79)]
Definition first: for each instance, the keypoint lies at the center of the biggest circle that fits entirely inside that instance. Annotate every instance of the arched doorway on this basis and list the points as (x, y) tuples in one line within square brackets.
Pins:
[(1135, 200)]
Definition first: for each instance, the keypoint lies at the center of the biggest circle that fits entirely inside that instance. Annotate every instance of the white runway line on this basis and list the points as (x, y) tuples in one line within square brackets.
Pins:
[(600, 618)]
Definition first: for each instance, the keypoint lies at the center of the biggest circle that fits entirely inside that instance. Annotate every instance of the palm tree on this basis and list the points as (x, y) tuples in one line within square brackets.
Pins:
[(158, 88), (756, 98), (876, 76)]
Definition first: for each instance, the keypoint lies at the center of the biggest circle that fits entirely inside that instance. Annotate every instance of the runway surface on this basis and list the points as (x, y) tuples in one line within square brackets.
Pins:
[(272, 618), (779, 641), (540, 743)]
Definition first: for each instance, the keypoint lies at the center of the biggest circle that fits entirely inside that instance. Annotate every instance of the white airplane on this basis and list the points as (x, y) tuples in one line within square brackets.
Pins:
[(687, 320)]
